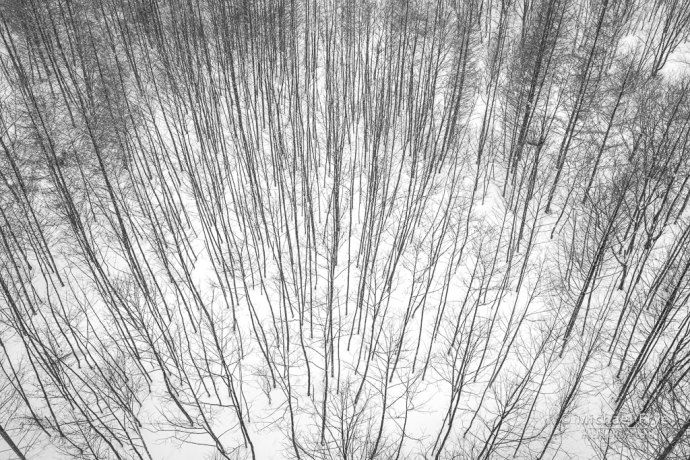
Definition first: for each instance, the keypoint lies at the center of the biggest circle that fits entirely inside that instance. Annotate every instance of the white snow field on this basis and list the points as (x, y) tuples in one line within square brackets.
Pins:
[(344, 230)]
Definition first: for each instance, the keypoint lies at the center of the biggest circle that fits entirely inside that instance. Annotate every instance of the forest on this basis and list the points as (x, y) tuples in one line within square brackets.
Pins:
[(332, 229)]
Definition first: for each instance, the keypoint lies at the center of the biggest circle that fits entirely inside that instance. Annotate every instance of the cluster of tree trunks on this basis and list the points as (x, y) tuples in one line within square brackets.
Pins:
[(380, 230)]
